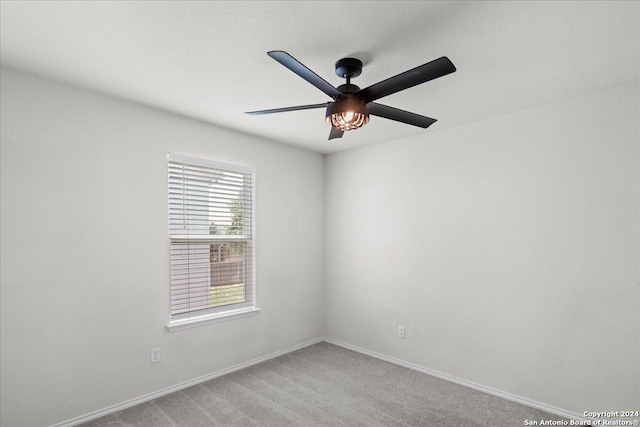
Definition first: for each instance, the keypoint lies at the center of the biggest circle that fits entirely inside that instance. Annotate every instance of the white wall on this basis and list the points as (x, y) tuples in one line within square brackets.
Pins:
[(508, 248), (84, 249)]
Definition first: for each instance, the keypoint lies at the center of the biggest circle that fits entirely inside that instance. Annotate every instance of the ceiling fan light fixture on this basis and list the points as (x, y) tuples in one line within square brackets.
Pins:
[(351, 105), (347, 114)]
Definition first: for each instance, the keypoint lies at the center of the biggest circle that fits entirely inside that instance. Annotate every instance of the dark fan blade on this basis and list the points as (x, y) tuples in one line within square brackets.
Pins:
[(400, 115), (429, 71), (286, 109), (296, 66), (335, 133)]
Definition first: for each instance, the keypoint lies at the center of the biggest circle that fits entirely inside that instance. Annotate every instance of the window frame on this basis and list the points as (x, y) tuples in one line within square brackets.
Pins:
[(211, 315)]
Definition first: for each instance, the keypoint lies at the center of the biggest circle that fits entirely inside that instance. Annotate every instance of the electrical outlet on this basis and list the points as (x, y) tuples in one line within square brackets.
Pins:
[(155, 355), (401, 331)]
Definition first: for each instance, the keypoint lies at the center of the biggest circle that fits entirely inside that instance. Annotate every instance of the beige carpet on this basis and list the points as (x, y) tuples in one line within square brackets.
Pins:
[(325, 385)]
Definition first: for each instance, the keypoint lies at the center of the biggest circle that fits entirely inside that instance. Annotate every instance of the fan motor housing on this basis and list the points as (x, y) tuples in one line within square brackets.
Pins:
[(348, 89)]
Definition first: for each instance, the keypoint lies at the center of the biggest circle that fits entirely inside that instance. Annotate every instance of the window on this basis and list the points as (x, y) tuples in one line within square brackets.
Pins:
[(211, 240)]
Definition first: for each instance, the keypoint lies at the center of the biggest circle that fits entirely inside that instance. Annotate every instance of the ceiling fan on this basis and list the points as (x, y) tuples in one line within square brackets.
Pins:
[(351, 106)]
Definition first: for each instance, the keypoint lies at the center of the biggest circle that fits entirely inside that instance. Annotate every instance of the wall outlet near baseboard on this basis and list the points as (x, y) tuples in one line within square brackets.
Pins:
[(401, 331), (155, 355)]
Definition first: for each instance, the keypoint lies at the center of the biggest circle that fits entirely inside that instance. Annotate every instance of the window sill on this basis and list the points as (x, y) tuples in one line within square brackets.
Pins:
[(194, 322)]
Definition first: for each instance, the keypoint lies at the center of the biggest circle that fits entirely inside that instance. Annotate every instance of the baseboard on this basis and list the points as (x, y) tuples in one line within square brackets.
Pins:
[(492, 391), (147, 397)]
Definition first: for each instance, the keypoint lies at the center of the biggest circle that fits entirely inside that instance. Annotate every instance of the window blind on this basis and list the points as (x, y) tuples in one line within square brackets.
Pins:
[(211, 236)]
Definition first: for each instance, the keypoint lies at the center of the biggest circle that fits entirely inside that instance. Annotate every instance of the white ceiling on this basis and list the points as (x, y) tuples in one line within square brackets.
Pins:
[(207, 60)]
